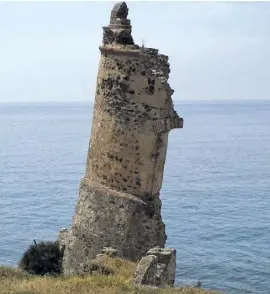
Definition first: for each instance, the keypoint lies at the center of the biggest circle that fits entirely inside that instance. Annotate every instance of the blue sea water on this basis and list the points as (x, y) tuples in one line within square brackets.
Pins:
[(216, 189)]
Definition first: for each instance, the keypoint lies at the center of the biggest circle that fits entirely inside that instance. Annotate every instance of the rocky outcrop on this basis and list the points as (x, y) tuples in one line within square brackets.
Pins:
[(157, 268), (119, 204), (166, 265), (146, 271)]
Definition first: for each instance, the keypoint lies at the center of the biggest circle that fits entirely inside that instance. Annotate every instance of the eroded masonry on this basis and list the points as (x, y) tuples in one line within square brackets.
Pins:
[(119, 204)]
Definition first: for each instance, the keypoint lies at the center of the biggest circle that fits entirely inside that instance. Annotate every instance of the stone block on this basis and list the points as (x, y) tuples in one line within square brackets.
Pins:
[(166, 265), (146, 271)]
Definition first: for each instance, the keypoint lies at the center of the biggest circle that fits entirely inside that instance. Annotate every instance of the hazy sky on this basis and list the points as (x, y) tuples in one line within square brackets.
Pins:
[(217, 50)]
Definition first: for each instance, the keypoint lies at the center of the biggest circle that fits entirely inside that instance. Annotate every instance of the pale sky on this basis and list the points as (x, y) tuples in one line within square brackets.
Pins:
[(217, 50)]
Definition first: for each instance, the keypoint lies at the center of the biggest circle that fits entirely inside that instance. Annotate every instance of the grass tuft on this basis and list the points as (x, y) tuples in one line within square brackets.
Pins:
[(12, 273)]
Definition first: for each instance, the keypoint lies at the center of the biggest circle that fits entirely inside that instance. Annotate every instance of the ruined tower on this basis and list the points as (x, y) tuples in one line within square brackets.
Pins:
[(119, 204)]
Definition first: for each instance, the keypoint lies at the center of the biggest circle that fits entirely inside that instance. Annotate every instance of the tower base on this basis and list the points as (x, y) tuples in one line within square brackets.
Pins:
[(107, 218)]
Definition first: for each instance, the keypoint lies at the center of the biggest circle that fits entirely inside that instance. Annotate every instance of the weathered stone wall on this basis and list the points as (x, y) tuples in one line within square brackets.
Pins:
[(132, 117), (119, 203), (107, 218)]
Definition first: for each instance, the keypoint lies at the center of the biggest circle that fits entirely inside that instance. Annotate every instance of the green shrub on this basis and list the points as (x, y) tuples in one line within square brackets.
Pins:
[(42, 259)]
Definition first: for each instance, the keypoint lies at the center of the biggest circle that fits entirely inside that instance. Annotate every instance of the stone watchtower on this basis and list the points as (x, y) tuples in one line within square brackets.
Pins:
[(119, 203)]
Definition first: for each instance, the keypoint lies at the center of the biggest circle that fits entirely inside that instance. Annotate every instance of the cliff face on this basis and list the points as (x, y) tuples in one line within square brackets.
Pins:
[(119, 203)]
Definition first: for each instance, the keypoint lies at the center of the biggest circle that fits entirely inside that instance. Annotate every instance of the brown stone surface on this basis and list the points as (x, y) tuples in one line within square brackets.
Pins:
[(119, 203)]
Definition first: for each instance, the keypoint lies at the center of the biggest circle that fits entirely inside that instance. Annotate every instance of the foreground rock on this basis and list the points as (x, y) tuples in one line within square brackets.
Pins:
[(157, 268), (146, 271), (166, 266)]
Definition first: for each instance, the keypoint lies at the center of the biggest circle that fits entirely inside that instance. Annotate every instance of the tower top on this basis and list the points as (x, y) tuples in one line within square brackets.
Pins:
[(120, 12), (118, 32)]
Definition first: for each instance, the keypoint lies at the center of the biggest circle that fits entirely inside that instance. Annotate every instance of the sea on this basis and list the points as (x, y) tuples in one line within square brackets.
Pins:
[(215, 193)]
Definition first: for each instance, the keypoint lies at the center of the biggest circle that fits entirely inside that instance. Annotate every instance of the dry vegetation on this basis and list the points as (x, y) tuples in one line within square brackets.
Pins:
[(14, 281)]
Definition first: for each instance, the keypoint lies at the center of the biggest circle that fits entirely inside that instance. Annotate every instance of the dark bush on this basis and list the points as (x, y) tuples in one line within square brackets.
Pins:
[(44, 258)]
